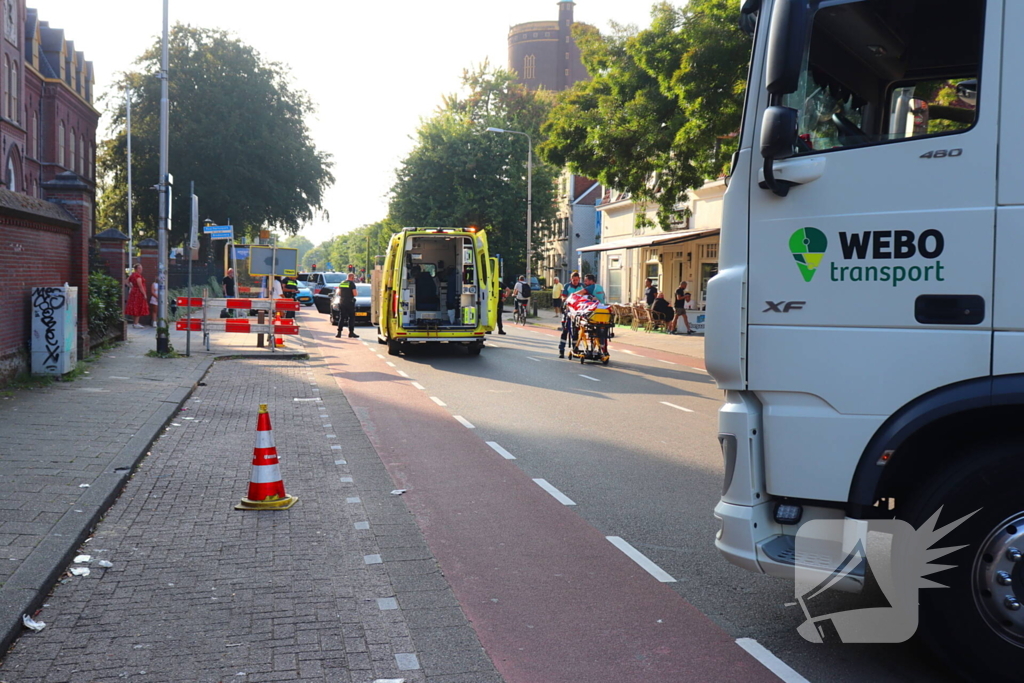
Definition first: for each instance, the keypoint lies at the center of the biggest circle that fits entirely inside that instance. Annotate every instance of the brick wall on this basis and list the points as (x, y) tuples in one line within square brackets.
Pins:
[(32, 254)]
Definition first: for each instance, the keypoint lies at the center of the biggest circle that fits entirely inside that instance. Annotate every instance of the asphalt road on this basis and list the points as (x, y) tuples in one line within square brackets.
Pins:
[(633, 445)]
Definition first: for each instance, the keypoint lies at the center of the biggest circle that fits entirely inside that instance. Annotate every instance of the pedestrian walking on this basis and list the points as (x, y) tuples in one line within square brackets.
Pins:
[(680, 310), (556, 297), (137, 305)]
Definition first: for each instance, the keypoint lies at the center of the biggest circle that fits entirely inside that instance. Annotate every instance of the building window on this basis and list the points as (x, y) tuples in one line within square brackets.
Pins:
[(11, 184), (7, 87), (15, 112), (60, 144), (530, 67), (34, 130), (72, 159), (81, 157)]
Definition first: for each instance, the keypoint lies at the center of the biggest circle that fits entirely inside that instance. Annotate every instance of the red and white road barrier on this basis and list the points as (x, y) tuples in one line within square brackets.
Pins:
[(212, 322), (236, 304), (266, 488), (238, 325)]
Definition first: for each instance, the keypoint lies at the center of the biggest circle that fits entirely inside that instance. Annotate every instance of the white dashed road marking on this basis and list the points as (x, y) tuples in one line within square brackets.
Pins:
[(641, 559), (592, 379), (667, 362), (438, 401), (419, 386), (673, 405), (465, 423), (770, 661), (501, 451), (555, 493), (403, 374)]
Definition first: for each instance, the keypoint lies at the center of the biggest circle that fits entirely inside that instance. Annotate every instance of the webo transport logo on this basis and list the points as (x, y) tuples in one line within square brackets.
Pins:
[(897, 556)]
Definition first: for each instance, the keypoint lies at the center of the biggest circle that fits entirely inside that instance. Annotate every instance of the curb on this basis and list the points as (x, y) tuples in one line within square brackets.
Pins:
[(28, 587)]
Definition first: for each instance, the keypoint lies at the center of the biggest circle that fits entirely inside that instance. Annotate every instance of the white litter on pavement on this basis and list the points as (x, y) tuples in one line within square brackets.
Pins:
[(105, 563), (398, 492), (31, 623), (83, 558), (83, 486), (80, 571)]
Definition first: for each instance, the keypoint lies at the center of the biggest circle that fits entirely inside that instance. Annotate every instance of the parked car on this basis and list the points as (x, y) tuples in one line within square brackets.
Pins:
[(323, 285), (364, 291), (305, 295)]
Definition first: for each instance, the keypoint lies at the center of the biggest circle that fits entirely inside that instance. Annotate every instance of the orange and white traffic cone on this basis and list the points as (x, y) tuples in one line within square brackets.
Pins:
[(266, 489), (278, 338)]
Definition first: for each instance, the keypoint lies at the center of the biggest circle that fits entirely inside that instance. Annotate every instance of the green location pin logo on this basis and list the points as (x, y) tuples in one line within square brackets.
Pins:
[(808, 246)]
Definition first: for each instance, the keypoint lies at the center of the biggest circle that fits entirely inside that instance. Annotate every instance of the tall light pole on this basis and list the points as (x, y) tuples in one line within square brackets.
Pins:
[(128, 135), (163, 341), (529, 190)]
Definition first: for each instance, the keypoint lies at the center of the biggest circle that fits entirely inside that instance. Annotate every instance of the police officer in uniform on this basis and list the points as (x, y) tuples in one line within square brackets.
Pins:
[(347, 306), (289, 289)]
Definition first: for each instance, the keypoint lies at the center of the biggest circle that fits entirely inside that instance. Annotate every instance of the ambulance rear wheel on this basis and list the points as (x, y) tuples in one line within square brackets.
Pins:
[(474, 348), (394, 347)]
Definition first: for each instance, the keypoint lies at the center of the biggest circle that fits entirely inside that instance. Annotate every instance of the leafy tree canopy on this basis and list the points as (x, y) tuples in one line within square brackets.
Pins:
[(658, 116), (458, 174), (237, 128), (358, 247)]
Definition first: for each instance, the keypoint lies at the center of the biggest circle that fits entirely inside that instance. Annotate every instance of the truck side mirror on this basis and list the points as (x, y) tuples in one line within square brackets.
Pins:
[(778, 138), (778, 132), (786, 39)]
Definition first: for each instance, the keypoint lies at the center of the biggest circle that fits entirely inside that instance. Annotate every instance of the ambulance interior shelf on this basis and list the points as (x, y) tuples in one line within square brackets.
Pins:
[(426, 282)]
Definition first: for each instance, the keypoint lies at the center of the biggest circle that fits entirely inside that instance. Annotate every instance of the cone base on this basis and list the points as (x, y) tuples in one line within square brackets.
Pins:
[(279, 504)]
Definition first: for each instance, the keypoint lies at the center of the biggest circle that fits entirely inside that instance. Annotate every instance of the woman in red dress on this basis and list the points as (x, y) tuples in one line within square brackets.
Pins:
[(137, 297)]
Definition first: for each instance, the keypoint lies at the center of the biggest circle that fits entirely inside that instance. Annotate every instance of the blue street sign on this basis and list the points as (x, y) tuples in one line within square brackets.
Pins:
[(219, 232)]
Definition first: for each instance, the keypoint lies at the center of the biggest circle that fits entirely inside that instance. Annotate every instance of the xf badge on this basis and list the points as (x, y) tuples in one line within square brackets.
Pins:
[(784, 306)]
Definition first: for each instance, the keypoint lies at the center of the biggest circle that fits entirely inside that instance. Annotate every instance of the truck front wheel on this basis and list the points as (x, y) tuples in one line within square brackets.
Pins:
[(977, 624)]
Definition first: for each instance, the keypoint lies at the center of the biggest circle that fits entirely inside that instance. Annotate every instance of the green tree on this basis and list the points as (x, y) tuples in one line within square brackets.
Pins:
[(297, 242), (237, 128), (657, 118), (458, 174)]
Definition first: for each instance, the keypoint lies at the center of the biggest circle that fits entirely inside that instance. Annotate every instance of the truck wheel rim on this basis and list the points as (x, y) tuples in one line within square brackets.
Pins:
[(998, 579)]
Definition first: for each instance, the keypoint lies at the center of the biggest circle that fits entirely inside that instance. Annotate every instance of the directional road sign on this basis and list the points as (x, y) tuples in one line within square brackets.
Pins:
[(219, 232)]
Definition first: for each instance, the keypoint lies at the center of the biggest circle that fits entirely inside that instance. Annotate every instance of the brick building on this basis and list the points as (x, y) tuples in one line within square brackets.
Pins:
[(543, 53), (47, 173)]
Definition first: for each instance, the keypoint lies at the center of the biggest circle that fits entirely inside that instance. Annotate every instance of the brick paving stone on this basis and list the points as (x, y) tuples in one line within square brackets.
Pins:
[(200, 591)]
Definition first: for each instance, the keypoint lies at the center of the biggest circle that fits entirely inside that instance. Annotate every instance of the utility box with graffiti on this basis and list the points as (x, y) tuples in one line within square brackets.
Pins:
[(54, 330)]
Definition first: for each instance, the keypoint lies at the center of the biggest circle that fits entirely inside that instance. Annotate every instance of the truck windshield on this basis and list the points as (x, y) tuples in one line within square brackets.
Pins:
[(881, 71)]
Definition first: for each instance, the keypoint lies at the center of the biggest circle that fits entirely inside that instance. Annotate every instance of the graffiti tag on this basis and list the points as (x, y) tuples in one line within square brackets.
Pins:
[(46, 302)]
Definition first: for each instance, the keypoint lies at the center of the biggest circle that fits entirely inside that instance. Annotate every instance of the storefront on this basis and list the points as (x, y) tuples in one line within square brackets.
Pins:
[(667, 258)]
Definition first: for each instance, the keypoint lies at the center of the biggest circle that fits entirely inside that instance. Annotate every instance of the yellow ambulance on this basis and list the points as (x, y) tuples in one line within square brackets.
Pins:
[(437, 286)]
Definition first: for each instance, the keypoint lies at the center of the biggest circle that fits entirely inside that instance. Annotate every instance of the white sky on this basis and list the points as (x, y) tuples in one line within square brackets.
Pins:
[(374, 68)]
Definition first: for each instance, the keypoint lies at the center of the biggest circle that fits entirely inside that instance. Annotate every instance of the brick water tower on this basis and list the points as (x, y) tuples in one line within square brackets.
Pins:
[(543, 53)]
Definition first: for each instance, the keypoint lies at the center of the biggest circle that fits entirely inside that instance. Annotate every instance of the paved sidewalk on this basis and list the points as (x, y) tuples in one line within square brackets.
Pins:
[(67, 450), (687, 345)]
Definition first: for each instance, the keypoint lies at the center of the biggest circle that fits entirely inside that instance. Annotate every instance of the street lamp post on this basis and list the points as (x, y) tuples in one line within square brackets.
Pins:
[(163, 342), (529, 190)]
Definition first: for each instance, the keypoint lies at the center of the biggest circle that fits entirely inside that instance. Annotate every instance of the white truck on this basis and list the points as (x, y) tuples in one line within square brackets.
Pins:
[(869, 306)]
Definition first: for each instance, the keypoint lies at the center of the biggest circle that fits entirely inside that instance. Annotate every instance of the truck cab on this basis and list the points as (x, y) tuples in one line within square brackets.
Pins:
[(437, 286), (869, 326)]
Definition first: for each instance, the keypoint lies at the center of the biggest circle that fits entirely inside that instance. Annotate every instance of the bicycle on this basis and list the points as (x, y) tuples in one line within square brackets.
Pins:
[(519, 315)]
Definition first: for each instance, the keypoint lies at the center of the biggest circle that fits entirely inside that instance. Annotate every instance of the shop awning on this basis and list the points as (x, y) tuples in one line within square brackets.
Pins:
[(662, 240)]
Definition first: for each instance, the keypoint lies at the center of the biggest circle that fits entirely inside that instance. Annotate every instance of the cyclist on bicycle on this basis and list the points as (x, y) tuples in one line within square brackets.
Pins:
[(522, 294)]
